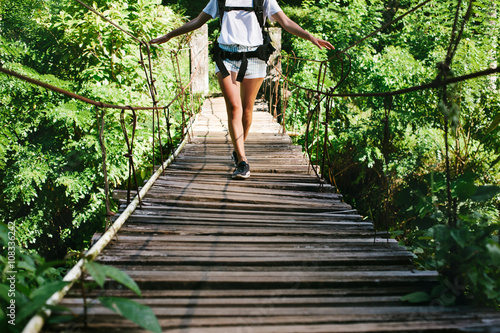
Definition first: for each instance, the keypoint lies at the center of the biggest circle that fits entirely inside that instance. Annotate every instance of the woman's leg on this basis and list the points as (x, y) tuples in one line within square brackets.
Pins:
[(248, 92), (240, 100), (231, 90)]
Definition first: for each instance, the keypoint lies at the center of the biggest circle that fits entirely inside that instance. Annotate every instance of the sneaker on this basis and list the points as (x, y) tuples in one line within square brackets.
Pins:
[(234, 158), (242, 171)]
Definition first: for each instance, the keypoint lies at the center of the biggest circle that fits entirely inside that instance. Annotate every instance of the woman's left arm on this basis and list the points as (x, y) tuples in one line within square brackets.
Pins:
[(296, 30)]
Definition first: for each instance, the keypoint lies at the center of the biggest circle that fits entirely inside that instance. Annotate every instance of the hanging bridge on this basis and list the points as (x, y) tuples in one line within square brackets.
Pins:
[(279, 252)]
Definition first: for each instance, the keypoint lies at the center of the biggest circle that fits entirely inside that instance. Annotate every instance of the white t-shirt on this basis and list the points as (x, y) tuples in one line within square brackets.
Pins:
[(238, 26)]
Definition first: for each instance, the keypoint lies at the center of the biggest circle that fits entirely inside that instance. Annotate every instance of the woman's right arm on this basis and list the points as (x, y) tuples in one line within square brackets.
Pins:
[(194, 24), (293, 28)]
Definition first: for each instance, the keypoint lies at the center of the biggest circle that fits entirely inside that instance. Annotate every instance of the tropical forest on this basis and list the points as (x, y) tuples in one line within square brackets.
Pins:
[(402, 118)]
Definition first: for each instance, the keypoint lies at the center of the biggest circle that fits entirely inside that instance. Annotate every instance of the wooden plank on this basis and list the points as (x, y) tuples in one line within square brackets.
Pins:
[(298, 207), (211, 239), (235, 187), (270, 277), (409, 326), (151, 210)]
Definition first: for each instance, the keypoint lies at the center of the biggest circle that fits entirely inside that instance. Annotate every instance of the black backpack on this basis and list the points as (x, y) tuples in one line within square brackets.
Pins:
[(263, 52)]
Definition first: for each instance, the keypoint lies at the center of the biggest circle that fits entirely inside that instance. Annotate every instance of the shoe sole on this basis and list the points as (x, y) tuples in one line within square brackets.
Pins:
[(240, 176)]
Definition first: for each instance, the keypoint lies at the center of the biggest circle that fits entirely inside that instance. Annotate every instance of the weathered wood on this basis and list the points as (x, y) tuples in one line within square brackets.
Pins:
[(279, 252), (199, 60)]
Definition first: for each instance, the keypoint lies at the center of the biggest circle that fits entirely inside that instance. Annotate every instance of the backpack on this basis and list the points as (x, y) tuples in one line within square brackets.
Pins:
[(263, 52)]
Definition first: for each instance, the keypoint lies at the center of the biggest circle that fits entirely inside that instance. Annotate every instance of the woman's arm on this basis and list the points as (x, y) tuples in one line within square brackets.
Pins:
[(194, 24), (296, 30)]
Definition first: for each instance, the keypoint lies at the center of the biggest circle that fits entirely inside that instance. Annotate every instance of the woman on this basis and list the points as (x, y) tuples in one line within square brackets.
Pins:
[(241, 32)]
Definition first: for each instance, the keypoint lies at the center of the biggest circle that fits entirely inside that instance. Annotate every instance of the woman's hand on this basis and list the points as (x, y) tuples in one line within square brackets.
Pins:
[(160, 40), (321, 43)]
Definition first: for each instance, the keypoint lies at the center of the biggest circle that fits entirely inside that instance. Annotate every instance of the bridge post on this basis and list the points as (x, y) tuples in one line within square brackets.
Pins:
[(199, 60), (270, 88)]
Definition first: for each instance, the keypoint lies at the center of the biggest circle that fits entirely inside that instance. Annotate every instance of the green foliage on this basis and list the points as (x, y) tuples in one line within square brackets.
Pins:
[(136, 312), (467, 252), (50, 157), (27, 282)]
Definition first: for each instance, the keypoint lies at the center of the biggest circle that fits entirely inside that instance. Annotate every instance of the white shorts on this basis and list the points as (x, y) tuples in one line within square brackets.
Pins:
[(257, 68)]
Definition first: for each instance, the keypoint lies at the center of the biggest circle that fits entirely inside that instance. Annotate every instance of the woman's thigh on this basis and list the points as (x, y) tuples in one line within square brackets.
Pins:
[(231, 91), (248, 91)]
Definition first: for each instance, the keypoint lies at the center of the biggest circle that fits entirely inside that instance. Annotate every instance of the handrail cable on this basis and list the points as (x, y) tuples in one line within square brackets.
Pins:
[(71, 94), (88, 100)]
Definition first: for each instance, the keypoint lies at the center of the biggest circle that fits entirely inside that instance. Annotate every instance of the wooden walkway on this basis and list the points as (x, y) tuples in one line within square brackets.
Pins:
[(278, 252)]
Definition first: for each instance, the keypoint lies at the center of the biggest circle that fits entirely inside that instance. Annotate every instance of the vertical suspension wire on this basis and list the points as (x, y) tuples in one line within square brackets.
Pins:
[(276, 104), (326, 141), (277, 101), (295, 109), (166, 112), (154, 92), (160, 145), (130, 153), (322, 72), (285, 98), (101, 124), (388, 104), (148, 83), (177, 71), (148, 71)]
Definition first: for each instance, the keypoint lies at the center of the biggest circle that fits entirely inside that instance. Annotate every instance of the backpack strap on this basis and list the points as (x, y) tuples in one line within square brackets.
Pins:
[(258, 9), (221, 4), (258, 6)]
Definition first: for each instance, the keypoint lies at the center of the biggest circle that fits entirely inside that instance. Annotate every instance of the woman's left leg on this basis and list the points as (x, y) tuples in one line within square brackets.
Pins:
[(249, 89)]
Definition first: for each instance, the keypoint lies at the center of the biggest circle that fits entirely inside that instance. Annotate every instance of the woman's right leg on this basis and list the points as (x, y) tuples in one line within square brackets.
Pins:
[(248, 92), (231, 90)]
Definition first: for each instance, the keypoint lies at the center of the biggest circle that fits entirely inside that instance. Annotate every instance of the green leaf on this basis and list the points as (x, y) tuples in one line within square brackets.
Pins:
[(494, 123), (121, 277), (99, 272), (494, 251), (138, 313), (4, 292), (3, 320), (457, 236), (417, 297), (45, 291), (39, 297), (464, 187), (45, 266), (485, 193), (94, 269)]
